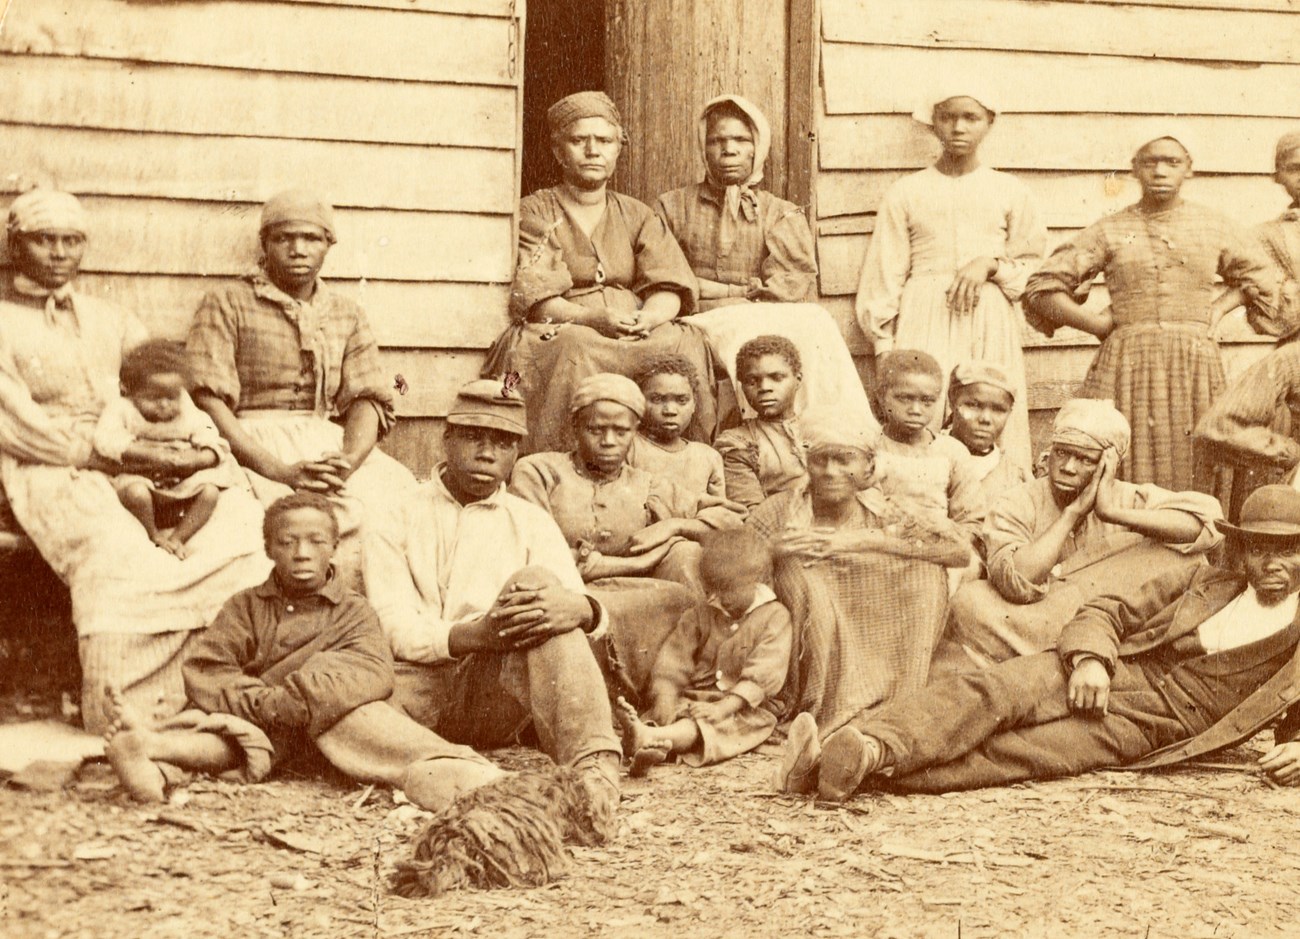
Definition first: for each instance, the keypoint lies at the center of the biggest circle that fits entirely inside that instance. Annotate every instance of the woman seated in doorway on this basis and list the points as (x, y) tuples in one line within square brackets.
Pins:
[(753, 255), (601, 284), (863, 579), (135, 606), (1053, 543), (289, 371), (633, 533)]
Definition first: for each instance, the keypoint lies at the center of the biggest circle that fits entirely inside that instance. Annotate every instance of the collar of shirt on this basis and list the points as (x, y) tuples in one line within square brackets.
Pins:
[(60, 298), (711, 194), (496, 500), (264, 288), (333, 591), (762, 594), (1245, 620)]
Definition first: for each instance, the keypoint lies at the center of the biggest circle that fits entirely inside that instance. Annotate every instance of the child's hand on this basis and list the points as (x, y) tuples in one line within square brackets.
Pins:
[(963, 294), (1282, 763)]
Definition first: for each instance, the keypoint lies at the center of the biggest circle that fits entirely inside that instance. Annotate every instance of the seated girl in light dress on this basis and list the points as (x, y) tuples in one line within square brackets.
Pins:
[(928, 473), (156, 408)]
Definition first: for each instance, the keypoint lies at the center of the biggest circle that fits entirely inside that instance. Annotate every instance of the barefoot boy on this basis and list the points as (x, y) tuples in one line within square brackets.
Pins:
[(299, 657), (713, 684)]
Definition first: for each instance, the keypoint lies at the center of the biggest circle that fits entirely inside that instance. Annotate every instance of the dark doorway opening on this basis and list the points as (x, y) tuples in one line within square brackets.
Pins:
[(564, 52)]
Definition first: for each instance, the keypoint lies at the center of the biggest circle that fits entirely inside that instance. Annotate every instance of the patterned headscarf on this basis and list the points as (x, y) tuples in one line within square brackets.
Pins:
[(829, 427), (980, 373), (579, 105), (298, 205), (1092, 423), (608, 386), (46, 210), (739, 198)]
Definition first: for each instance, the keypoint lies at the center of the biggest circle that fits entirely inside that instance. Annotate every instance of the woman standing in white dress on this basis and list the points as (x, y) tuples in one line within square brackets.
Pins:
[(951, 251)]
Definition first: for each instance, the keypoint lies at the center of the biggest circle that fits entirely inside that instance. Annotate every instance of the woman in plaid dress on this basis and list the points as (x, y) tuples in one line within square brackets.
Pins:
[(1158, 360)]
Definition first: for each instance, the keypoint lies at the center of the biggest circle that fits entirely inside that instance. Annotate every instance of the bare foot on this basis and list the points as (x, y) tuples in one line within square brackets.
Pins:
[(127, 737), (169, 544), (639, 740), (120, 714), (127, 752)]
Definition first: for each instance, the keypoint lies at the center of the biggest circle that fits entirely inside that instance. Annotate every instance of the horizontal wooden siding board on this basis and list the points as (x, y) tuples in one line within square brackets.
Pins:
[(1102, 29), (431, 381), (249, 169), (864, 79), (70, 92), (269, 37)]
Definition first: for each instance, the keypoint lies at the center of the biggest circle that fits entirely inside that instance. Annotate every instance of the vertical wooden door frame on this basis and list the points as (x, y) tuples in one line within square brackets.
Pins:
[(804, 22), (519, 24)]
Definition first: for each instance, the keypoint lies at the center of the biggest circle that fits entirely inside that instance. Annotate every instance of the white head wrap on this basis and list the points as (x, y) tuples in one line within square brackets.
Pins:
[(924, 112)]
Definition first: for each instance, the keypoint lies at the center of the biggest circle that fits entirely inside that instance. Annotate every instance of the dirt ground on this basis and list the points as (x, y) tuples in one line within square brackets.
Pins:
[(1191, 854)]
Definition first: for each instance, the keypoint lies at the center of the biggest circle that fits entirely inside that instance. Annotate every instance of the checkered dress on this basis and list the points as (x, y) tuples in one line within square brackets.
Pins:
[(1158, 365)]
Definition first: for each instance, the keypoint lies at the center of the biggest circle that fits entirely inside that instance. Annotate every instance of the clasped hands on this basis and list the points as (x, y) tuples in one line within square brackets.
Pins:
[(1099, 494), (326, 474), (527, 614)]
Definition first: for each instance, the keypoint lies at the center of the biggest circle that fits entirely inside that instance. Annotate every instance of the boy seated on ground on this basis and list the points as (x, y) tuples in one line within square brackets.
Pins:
[(298, 658), (715, 681)]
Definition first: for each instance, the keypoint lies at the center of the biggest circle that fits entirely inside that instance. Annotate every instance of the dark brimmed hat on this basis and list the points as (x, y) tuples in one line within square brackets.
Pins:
[(1270, 513), (486, 403)]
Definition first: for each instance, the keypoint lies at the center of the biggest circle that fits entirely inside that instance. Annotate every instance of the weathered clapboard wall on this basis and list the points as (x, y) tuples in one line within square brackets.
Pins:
[(663, 60), (1081, 84), (175, 120)]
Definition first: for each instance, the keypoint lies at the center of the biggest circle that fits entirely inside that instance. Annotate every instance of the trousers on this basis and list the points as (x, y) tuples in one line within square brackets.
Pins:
[(1012, 722)]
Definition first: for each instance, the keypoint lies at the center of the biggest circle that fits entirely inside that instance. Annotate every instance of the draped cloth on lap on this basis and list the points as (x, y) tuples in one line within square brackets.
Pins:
[(865, 625), (993, 629)]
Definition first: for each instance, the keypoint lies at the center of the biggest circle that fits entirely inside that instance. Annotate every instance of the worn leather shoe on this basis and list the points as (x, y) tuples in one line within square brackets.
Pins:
[(797, 773), (847, 758)]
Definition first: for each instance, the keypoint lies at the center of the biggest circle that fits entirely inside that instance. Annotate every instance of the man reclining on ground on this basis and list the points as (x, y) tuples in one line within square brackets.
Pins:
[(1195, 660)]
